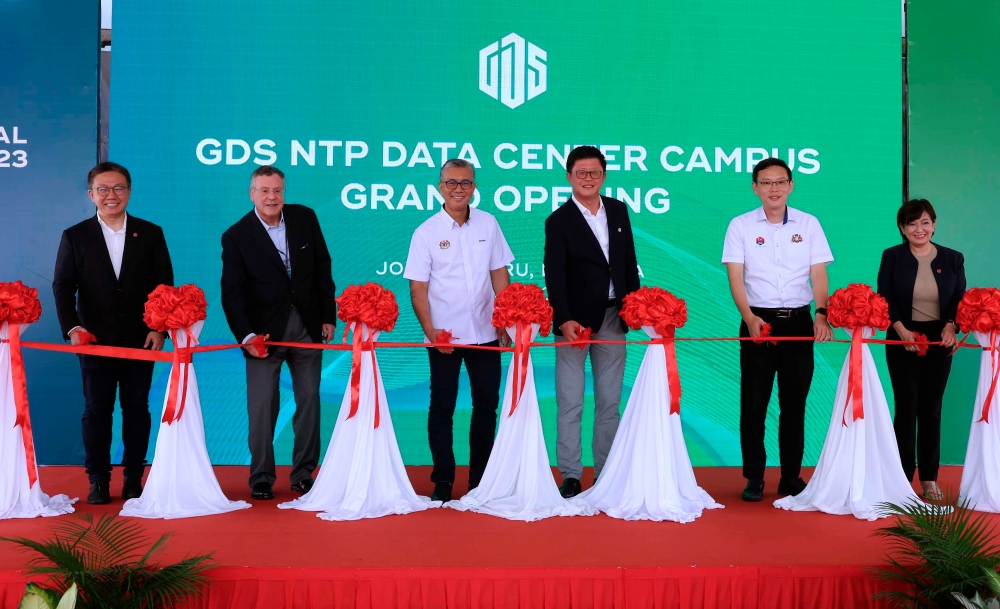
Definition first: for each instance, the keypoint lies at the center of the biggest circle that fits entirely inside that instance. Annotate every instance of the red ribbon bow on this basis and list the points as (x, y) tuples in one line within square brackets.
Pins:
[(673, 376), (358, 345), (585, 335), (855, 387), (522, 346), (921, 346), (765, 333), (22, 412), (181, 362), (995, 368)]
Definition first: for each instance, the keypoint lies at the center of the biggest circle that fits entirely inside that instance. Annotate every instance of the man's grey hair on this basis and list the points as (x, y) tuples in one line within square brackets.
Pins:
[(457, 164)]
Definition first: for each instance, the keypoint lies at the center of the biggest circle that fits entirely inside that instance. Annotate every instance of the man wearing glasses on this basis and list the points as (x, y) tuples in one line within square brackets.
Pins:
[(590, 266), (276, 283), (456, 265), (772, 255), (105, 269)]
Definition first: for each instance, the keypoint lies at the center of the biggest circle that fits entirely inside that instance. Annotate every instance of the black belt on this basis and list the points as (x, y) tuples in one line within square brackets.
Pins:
[(781, 313)]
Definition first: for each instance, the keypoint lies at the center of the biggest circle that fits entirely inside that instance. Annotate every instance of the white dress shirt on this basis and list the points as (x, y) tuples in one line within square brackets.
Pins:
[(776, 258), (115, 240), (599, 225), (456, 262)]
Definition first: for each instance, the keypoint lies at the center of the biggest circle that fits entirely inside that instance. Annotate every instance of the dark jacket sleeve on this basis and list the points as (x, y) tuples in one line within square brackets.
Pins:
[(234, 281), (951, 308), (555, 273), (325, 286), (162, 266), (632, 269), (886, 271), (65, 282)]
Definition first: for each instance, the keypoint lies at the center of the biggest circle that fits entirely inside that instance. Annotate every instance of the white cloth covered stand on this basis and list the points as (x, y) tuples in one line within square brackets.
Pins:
[(362, 475), (648, 474), (518, 483), (181, 482), (981, 474), (17, 498), (859, 467)]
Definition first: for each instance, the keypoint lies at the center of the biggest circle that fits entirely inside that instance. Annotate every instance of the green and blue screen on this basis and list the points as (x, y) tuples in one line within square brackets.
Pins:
[(360, 103)]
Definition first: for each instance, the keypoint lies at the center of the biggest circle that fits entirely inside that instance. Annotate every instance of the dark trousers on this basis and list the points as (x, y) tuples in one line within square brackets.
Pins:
[(264, 400), (103, 378), (792, 361), (484, 377), (918, 386)]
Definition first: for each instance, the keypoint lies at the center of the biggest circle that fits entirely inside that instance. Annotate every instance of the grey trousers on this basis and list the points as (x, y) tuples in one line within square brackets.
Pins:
[(608, 365), (263, 400)]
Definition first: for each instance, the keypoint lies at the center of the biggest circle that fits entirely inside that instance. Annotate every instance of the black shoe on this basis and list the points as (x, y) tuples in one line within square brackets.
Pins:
[(791, 486), (132, 489), (99, 493), (570, 488), (754, 490), (303, 486), (262, 491), (442, 492)]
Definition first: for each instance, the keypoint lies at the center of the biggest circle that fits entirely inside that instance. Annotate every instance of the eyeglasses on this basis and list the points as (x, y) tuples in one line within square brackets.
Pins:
[(464, 184), (767, 184), (105, 191), (583, 174), (268, 191)]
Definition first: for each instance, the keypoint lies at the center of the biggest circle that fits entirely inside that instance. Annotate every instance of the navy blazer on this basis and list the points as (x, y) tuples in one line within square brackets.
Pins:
[(257, 293), (88, 294), (577, 274), (897, 275)]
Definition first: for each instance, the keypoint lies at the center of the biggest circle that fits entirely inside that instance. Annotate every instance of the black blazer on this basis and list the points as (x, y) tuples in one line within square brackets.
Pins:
[(87, 293), (257, 294), (577, 274), (897, 275)]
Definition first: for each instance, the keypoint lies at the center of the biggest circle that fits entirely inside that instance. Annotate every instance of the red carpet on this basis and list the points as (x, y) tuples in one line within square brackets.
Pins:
[(744, 556)]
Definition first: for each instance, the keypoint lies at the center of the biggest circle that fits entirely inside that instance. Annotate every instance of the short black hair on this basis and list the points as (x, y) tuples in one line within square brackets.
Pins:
[(105, 167), (266, 170), (771, 162), (912, 210), (585, 152)]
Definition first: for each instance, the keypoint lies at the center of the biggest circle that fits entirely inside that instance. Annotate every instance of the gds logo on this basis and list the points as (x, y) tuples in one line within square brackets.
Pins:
[(502, 73)]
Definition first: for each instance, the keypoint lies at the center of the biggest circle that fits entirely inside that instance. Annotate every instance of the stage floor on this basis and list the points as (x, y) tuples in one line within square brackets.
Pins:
[(740, 543)]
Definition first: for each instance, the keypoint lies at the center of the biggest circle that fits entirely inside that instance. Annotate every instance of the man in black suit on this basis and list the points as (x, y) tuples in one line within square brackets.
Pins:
[(105, 270), (276, 283), (590, 266)]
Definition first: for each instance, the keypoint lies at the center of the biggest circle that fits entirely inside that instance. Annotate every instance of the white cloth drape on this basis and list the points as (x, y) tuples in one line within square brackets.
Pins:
[(518, 482), (648, 474), (181, 482), (17, 499), (981, 474), (859, 466), (362, 474)]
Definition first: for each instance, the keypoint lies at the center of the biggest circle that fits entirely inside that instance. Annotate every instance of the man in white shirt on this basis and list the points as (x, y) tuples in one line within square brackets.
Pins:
[(590, 266), (776, 258), (105, 269), (456, 265)]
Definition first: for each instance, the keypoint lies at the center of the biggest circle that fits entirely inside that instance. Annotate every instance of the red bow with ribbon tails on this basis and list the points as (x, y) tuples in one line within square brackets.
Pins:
[(372, 307), (656, 307), (19, 304), (673, 376), (181, 367), (979, 310), (519, 306), (169, 309)]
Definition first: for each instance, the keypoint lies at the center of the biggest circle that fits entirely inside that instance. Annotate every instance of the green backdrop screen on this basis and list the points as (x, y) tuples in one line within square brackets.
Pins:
[(359, 103)]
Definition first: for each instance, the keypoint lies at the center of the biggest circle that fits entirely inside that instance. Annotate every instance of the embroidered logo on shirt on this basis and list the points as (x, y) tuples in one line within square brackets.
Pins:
[(796, 238), (760, 241), (445, 244)]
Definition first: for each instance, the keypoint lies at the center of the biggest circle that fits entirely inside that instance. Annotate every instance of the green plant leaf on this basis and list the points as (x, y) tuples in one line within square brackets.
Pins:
[(966, 603), (68, 600)]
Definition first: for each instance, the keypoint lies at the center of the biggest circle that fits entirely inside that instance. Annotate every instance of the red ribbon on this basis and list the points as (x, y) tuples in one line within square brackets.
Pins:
[(85, 337), (361, 344), (673, 376), (995, 367), (23, 416), (921, 343), (855, 387), (584, 335), (181, 359), (522, 346), (765, 333)]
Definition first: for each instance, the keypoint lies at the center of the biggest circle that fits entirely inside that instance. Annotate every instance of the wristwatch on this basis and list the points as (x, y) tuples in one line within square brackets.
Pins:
[(821, 311)]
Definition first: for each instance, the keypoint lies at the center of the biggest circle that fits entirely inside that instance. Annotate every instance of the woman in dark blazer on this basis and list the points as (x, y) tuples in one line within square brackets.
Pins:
[(923, 283)]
